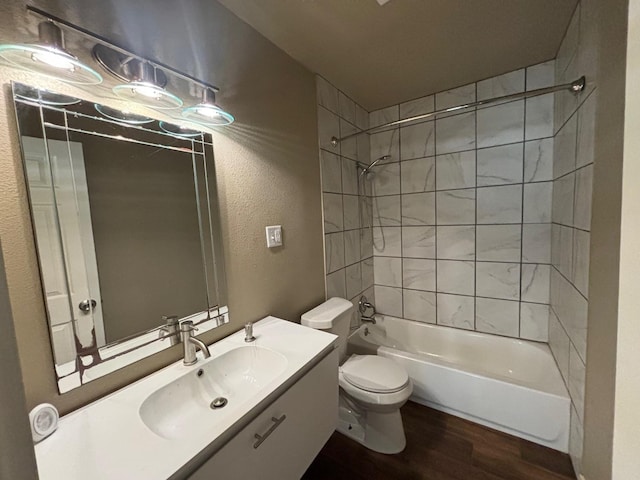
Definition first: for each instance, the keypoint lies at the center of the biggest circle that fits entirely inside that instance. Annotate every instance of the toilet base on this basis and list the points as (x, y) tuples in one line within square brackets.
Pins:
[(380, 432)]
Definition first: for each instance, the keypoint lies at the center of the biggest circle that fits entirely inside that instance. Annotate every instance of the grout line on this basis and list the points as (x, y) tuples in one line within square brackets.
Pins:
[(475, 230)]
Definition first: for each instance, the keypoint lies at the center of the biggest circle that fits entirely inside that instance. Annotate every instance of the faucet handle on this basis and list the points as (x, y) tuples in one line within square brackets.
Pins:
[(248, 332), (187, 326)]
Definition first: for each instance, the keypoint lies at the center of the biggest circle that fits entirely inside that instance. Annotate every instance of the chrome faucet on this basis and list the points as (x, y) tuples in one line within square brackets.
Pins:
[(190, 343), (364, 306), (248, 332), (171, 329)]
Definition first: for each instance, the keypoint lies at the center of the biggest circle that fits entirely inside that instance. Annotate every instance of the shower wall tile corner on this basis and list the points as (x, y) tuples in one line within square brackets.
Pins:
[(348, 239)]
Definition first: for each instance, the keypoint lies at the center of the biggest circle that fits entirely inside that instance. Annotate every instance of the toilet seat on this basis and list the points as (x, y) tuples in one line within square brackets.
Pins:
[(374, 374)]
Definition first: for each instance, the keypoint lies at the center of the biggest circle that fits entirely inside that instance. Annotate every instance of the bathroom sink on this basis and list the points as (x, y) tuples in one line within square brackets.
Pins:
[(187, 404)]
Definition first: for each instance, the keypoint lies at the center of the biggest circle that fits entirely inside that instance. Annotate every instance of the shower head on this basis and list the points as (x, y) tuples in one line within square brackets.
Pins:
[(366, 169)]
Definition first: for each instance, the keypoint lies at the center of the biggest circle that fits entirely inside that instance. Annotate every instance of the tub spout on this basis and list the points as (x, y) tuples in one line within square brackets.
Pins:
[(370, 319)]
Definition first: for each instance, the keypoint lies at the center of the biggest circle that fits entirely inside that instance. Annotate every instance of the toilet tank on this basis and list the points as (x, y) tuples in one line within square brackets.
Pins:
[(333, 316)]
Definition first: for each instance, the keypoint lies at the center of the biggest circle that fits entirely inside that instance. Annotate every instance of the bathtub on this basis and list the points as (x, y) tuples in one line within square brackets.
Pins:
[(507, 384)]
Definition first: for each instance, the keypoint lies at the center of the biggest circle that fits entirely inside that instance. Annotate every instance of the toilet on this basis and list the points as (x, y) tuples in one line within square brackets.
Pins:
[(372, 388)]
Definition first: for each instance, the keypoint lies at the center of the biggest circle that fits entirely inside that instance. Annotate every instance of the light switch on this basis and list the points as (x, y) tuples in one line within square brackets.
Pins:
[(274, 236)]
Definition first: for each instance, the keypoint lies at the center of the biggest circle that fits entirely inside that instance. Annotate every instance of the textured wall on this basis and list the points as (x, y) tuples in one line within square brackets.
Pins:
[(267, 169)]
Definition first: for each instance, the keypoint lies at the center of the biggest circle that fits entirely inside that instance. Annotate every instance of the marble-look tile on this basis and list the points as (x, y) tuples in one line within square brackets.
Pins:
[(387, 241), (419, 274), (348, 146), (564, 149), (331, 168), (386, 211), (366, 243), (387, 271), (418, 106), (362, 118), (499, 243), (500, 165), (539, 117), (535, 283), (456, 207), (586, 131), (349, 177), (337, 284), (419, 209), (419, 306), (498, 280), (563, 196), (384, 115), (419, 242), (538, 160), (580, 276), (327, 94), (456, 96), (363, 144), (388, 300), (385, 143), (537, 202), (456, 242), (346, 108), (386, 180), (332, 208), (455, 311), (418, 175), (456, 170), (506, 84), (536, 243), (354, 280), (499, 204), (351, 247), (366, 267), (501, 124), (576, 439), (534, 322), (456, 277), (334, 254), (417, 141), (559, 344), (541, 75), (571, 309), (582, 207), (564, 249), (351, 212), (569, 44), (576, 380), (456, 133), (328, 127), (500, 317)]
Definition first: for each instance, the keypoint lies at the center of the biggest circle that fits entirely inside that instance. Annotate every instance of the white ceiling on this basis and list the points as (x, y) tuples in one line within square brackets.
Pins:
[(404, 49)]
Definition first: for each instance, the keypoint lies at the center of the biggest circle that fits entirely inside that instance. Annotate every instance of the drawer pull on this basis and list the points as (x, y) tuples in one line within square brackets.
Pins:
[(276, 424)]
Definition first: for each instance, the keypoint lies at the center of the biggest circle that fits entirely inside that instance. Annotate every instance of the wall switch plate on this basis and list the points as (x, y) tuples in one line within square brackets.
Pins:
[(274, 236)]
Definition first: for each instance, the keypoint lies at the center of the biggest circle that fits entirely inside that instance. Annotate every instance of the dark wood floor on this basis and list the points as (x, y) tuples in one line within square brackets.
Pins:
[(442, 447)]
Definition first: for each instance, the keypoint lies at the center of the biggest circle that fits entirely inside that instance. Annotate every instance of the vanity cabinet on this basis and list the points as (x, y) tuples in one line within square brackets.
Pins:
[(282, 441)]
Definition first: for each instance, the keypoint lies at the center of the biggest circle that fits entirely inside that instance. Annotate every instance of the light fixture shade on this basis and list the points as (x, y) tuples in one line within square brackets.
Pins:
[(144, 89), (179, 130), (48, 57), (122, 116), (208, 113), (44, 97)]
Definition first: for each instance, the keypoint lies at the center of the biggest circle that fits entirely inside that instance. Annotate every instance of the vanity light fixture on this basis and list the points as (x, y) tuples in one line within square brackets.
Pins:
[(122, 116), (145, 89), (207, 113), (49, 57), (179, 130)]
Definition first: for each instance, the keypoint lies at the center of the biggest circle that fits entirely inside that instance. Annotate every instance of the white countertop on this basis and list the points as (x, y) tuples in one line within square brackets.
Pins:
[(108, 440)]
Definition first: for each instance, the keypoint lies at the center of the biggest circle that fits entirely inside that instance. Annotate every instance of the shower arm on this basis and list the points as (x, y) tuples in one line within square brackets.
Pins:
[(575, 87)]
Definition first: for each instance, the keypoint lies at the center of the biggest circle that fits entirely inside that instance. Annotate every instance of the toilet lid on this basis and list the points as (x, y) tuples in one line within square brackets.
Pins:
[(374, 374)]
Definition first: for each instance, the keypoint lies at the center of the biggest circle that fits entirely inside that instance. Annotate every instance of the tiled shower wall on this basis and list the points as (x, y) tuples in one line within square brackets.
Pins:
[(348, 235), (571, 214), (462, 209)]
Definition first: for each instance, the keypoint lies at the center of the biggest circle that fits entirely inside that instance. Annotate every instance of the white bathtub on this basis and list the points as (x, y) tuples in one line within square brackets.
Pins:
[(507, 384)]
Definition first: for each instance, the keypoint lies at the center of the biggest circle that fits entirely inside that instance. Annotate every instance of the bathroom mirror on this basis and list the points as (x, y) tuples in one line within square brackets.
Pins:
[(125, 216)]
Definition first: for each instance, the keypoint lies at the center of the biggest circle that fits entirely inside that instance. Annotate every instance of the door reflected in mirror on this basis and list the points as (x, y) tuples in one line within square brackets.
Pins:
[(127, 231)]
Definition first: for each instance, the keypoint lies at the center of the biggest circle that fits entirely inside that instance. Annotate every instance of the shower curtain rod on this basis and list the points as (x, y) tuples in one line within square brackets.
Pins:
[(574, 87)]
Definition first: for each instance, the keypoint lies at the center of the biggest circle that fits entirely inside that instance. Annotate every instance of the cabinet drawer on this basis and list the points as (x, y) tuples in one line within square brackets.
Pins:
[(291, 431)]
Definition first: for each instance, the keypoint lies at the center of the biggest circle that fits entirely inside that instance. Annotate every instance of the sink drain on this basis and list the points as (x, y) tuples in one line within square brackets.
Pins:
[(218, 403)]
